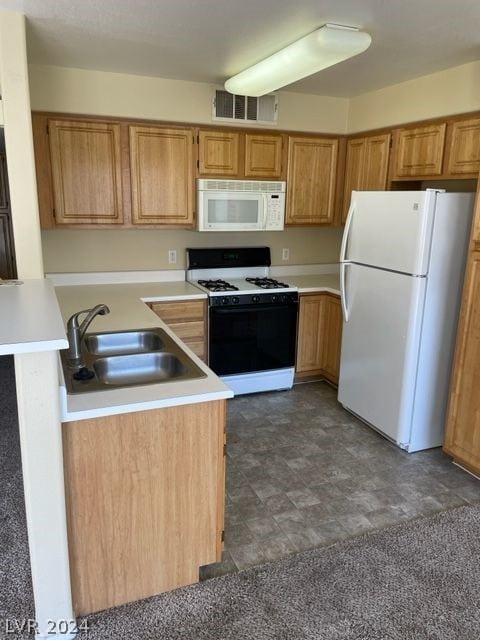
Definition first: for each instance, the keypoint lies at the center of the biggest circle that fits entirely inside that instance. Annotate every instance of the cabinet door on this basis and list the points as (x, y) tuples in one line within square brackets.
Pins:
[(145, 501), (86, 172), (263, 156), (420, 151), (7, 260), (161, 163), (218, 153), (353, 171), (462, 438), (7, 254), (312, 164), (332, 338), (311, 332), (464, 151), (4, 198), (375, 169)]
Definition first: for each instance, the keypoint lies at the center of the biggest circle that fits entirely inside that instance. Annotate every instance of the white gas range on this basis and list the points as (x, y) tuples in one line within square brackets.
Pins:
[(252, 317)]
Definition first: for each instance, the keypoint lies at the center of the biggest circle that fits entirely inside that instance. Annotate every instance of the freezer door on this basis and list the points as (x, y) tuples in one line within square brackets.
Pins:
[(380, 346), (390, 230)]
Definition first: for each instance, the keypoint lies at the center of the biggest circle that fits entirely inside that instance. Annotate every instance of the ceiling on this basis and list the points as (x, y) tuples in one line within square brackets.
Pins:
[(210, 40)]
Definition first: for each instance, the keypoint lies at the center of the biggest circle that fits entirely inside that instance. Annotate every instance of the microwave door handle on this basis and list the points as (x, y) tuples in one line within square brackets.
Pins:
[(265, 207)]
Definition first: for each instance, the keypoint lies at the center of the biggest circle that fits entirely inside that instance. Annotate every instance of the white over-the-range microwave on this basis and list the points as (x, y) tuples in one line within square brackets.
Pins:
[(240, 205)]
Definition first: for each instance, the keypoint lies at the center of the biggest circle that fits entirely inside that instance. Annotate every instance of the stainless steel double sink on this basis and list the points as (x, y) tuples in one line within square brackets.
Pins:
[(130, 358)]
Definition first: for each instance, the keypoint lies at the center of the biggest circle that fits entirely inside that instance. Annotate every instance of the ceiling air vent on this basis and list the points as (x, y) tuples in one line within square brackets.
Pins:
[(232, 108)]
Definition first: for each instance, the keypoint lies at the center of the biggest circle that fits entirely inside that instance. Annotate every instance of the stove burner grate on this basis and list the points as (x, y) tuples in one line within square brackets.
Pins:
[(217, 285), (267, 283)]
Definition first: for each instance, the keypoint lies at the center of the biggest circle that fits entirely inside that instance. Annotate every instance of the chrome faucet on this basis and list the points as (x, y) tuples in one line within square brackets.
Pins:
[(75, 333)]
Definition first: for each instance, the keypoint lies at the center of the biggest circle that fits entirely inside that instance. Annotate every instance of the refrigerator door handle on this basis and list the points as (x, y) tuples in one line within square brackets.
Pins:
[(343, 290), (346, 233)]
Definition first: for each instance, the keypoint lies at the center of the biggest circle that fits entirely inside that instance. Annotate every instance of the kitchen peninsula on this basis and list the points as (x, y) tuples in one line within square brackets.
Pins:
[(144, 465)]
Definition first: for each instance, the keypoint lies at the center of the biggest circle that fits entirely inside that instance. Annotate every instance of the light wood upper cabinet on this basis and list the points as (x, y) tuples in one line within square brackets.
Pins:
[(312, 165), (86, 172), (218, 153), (161, 163), (375, 170), (464, 148), (263, 156), (366, 166), (354, 167), (319, 336), (419, 151)]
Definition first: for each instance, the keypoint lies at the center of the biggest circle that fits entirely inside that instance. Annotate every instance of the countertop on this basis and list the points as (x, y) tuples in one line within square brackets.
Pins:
[(30, 319), (328, 282), (129, 311)]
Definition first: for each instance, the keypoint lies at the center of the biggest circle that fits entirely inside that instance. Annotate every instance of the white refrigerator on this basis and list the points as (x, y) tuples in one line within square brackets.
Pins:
[(402, 266)]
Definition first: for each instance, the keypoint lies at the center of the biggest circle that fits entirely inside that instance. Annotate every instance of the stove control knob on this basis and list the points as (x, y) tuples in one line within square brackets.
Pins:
[(255, 298), (235, 299), (224, 300), (274, 298), (283, 297)]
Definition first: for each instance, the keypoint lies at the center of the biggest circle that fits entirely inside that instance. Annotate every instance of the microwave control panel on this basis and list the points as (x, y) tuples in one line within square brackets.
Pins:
[(275, 210)]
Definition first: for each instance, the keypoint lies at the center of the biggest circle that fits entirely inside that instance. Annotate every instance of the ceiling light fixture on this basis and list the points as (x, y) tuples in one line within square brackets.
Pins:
[(322, 48)]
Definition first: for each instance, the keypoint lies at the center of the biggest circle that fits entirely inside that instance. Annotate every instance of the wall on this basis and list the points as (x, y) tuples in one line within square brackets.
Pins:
[(455, 90), (36, 375), (123, 95), (113, 94), (105, 250)]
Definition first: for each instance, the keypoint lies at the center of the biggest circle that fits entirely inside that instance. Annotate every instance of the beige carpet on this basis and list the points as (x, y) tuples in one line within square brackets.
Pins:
[(415, 581)]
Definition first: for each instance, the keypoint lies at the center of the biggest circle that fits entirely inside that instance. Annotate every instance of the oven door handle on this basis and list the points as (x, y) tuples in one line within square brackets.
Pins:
[(252, 307)]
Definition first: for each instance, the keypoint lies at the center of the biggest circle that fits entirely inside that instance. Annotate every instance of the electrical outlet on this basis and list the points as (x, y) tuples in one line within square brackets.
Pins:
[(172, 256), (285, 254)]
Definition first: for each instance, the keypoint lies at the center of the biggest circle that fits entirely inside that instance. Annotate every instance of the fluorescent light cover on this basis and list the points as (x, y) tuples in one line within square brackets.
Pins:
[(320, 49)]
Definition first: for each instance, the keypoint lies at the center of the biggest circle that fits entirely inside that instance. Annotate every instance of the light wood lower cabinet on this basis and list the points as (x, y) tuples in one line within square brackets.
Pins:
[(145, 501), (188, 320), (319, 336), (462, 438)]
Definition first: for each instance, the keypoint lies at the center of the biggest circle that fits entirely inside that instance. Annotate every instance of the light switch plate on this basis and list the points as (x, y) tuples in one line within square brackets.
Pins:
[(285, 254), (172, 256)]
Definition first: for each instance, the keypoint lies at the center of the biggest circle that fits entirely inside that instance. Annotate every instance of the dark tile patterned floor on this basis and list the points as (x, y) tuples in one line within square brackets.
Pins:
[(302, 473)]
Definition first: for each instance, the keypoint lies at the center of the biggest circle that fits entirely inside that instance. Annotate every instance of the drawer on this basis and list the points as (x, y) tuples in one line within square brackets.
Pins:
[(188, 329), (180, 311)]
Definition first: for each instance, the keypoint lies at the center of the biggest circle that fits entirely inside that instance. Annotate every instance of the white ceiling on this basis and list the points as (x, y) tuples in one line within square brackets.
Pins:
[(210, 40)]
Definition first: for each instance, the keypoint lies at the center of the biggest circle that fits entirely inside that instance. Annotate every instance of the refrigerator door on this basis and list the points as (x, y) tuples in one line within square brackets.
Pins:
[(380, 346), (390, 230)]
